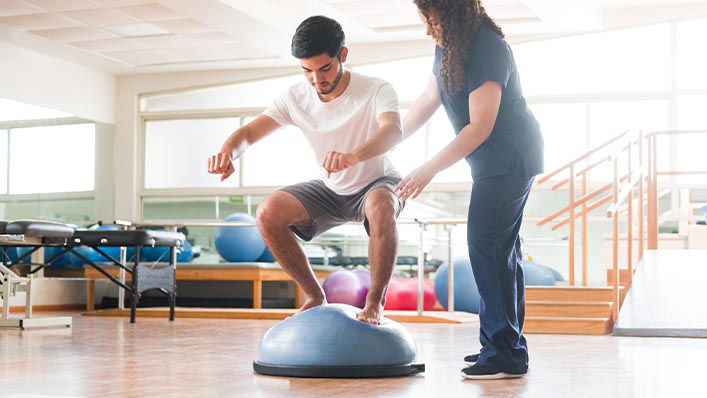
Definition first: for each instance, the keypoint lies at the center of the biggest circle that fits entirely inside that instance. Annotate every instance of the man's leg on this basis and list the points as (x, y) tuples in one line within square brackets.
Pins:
[(274, 217), (380, 210)]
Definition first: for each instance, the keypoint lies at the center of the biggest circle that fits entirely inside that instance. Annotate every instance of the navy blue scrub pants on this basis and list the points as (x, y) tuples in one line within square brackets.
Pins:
[(495, 215)]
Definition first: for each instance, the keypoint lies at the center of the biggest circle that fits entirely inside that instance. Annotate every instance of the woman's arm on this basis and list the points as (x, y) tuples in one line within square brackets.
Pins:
[(483, 110)]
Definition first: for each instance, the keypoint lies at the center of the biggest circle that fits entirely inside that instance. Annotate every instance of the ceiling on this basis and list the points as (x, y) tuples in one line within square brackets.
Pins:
[(141, 36)]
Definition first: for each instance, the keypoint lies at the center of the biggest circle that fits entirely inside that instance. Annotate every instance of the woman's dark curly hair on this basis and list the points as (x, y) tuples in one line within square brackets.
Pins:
[(459, 20)]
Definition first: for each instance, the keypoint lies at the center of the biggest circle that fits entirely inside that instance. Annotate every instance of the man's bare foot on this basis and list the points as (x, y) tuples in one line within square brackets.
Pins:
[(371, 313), (312, 302)]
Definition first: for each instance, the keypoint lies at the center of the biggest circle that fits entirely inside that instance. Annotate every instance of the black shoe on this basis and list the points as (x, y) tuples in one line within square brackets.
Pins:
[(484, 372), (471, 359)]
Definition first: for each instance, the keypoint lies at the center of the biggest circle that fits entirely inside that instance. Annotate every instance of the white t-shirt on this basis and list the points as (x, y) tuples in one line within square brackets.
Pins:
[(340, 125)]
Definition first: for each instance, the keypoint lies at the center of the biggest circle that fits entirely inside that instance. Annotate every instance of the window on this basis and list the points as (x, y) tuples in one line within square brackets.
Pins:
[(3, 161), (52, 159), (13, 110), (72, 211), (690, 148), (242, 95), (176, 152), (636, 59), (564, 129), (408, 77), (282, 158), (691, 54)]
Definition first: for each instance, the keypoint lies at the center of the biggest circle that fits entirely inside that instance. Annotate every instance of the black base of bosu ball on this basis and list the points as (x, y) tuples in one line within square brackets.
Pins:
[(328, 341)]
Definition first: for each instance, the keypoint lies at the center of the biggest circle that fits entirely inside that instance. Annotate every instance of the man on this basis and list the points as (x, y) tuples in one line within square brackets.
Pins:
[(351, 121)]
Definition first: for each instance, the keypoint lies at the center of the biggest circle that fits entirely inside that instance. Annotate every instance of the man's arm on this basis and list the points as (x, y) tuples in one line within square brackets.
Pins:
[(237, 143), (386, 137), (422, 109)]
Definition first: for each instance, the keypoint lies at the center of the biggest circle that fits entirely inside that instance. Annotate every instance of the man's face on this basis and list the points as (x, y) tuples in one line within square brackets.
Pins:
[(323, 72)]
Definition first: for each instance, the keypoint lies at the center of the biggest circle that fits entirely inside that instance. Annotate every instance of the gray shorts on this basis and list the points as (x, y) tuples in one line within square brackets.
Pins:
[(329, 209)]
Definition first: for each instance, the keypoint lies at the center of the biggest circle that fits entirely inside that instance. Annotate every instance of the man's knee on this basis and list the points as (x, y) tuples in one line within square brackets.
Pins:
[(380, 207), (280, 209)]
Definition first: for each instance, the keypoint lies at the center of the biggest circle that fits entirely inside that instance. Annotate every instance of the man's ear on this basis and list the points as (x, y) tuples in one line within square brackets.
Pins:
[(343, 54)]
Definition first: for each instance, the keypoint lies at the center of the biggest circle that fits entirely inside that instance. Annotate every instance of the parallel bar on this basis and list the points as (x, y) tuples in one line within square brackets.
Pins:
[(615, 253), (584, 232)]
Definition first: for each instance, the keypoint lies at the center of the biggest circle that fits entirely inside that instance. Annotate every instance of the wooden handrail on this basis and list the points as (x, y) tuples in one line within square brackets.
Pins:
[(582, 172), (579, 159), (593, 206), (578, 202), (623, 194), (675, 132)]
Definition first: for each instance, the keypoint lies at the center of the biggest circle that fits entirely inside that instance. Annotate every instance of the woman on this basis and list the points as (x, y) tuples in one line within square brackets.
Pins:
[(475, 78)]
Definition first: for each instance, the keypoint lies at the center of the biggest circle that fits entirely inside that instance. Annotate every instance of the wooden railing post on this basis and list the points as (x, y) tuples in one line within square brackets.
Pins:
[(615, 256), (584, 231), (571, 221), (641, 165), (629, 223)]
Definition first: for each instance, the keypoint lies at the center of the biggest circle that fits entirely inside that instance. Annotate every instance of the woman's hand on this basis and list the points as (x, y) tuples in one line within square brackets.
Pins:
[(415, 182)]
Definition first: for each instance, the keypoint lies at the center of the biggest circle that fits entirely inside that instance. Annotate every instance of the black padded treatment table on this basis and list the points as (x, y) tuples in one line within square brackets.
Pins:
[(35, 234), (143, 277)]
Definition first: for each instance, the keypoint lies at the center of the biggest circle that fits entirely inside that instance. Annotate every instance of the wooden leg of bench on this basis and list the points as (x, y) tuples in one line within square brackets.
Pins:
[(90, 288), (257, 294), (299, 296)]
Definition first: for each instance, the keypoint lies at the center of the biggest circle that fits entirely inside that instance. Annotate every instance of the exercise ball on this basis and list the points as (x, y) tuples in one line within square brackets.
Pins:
[(466, 293), (266, 257), (92, 254), (161, 253), (63, 261), (15, 252), (239, 244), (328, 341), (343, 286), (402, 294), (364, 276), (555, 274), (536, 275)]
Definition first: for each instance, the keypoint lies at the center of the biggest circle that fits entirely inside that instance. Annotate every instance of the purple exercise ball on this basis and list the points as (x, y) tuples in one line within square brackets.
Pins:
[(364, 276), (344, 286)]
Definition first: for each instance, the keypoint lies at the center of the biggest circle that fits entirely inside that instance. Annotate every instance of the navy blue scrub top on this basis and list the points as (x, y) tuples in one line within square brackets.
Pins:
[(516, 133)]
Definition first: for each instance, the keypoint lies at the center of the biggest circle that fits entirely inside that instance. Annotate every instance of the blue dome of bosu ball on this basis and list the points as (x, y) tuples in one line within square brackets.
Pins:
[(328, 341)]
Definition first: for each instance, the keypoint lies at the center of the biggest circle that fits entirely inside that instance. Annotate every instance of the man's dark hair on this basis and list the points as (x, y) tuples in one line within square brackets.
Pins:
[(318, 35)]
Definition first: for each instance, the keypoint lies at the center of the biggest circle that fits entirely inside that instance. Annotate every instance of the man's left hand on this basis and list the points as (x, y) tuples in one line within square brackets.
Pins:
[(337, 161)]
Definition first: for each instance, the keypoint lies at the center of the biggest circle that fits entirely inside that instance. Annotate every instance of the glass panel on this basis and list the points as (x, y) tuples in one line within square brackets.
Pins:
[(52, 158), (691, 54), (690, 148), (608, 119), (71, 211), (282, 158), (408, 77), (596, 63), (564, 129), (242, 95), (13, 110), (3, 161), (176, 152)]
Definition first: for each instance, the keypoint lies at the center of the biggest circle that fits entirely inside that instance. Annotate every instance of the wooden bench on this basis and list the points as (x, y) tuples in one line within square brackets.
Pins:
[(255, 272)]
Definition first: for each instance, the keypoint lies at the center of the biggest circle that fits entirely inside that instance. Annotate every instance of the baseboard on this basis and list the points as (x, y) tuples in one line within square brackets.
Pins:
[(48, 308)]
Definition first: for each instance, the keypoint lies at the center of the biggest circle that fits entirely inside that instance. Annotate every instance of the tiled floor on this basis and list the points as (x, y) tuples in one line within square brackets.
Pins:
[(108, 357)]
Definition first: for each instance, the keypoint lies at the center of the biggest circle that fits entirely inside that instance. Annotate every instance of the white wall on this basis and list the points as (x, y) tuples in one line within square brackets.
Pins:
[(36, 79)]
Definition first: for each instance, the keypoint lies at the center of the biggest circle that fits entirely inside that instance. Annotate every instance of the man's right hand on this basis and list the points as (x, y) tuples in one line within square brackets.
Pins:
[(221, 163)]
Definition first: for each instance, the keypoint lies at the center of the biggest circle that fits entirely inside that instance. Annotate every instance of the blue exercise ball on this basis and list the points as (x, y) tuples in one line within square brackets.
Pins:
[(239, 244), (331, 336), (64, 261), (92, 254), (466, 293), (15, 252), (161, 253), (536, 275), (555, 274), (266, 257)]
